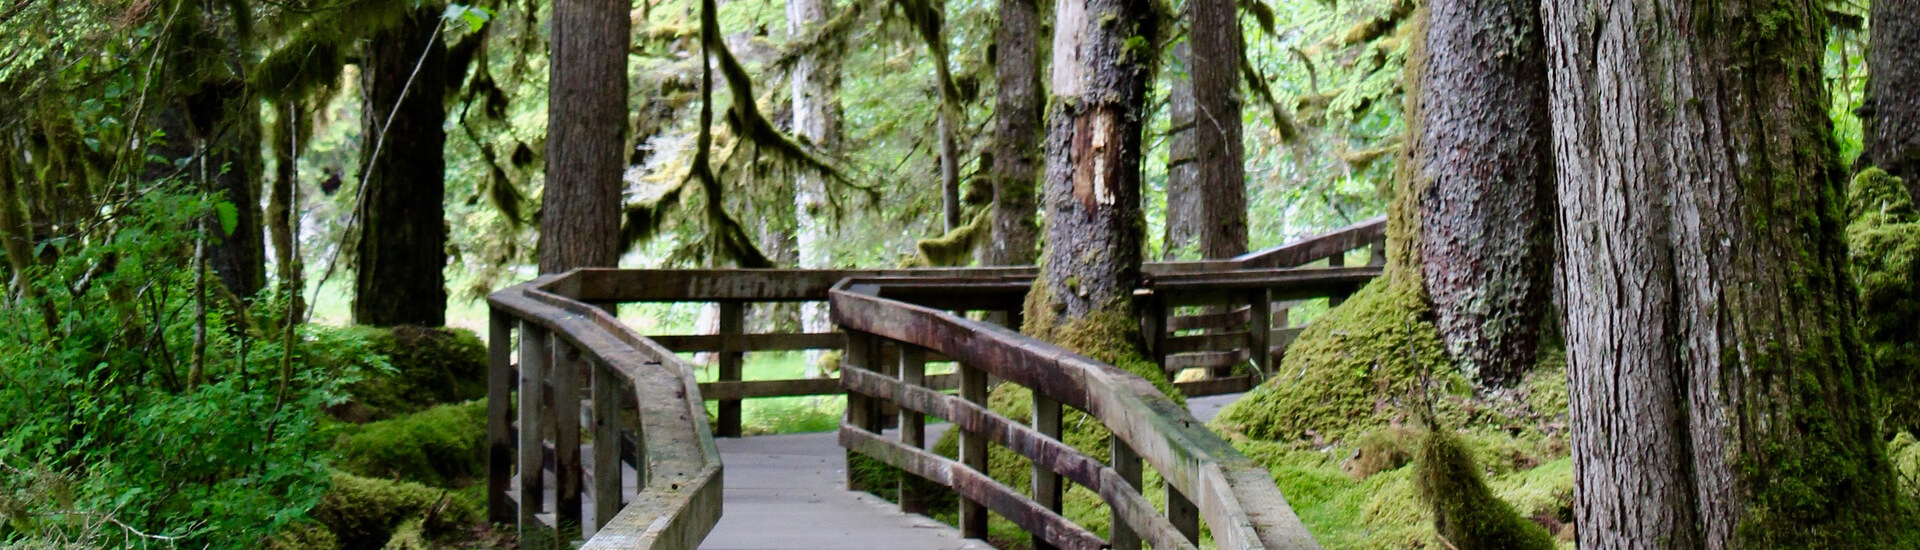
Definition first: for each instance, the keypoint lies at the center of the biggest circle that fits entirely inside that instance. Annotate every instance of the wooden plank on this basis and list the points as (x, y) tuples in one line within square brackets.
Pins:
[(733, 321), (1260, 330), (1216, 386), (1338, 297), (1318, 247), (973, 452), (1206, 360), (1127, 465), (1224, 320), (1048, 491), (500, 382), (565, 419), (1216, 341), (779, 341), (534, 353), (750, 389), (973, 486), (606, 445), (1184, 515), (858, 359), (913, 431)]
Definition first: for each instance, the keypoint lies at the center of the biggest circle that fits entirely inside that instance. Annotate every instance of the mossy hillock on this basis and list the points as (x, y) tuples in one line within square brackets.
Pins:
[(364, 512), (429, 366), (1466, 513), (1883, 242), (443, 446)]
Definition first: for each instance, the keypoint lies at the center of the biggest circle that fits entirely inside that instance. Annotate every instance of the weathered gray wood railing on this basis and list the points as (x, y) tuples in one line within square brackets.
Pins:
[(1206, 477)]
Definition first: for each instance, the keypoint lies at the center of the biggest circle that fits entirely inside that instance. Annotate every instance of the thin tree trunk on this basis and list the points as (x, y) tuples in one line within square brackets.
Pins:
[(1892, 108), (1716, 376), (1181, 238), (1480, 183), (401, 251), (587, 110), (816, 118), (283, 226), (15, 235), (1092, 185), (1215, 72), (1016, 133)]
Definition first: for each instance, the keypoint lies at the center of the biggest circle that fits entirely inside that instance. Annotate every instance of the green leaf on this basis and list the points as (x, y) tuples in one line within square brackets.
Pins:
[(229, 216), (474, 16)]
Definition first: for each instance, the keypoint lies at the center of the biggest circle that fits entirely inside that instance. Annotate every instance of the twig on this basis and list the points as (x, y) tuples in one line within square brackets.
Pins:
[(15, 10)]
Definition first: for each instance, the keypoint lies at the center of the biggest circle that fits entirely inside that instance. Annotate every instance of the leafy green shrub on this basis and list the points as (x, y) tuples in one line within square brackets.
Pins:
[(431, 366), (364, 512), (443, 446)]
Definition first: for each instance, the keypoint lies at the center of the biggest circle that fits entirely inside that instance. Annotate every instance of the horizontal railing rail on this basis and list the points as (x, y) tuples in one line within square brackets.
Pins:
[(1205, 476)]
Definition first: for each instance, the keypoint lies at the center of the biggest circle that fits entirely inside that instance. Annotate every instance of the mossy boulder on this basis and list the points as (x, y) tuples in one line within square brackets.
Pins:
[(1883, 242), (1358, 367), (444, 446), (429, 366), (1465, 512), (1905, 452), (364, 512)]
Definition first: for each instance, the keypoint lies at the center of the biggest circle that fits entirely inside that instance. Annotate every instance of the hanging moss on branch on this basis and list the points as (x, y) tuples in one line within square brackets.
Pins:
[(956, 247)]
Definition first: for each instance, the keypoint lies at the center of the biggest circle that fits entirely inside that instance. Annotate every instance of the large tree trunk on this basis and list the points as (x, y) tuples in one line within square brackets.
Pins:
[(1215, 73), (1716, 376), (225, 121), (816, 119), (402, 252), (1181, 237), (586, 128), (1092, 186), (1892, 109), (1016, 133), (1478, 196)]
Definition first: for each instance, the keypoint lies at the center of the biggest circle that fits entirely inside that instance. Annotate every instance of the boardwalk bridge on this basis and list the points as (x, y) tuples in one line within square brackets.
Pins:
[(583, 380)]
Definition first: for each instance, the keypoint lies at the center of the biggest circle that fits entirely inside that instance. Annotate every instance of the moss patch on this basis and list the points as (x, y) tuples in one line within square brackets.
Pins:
[(1354, 369), (430, 366), (1465, 512), (441, 447), (1883, 242), (364, 512)]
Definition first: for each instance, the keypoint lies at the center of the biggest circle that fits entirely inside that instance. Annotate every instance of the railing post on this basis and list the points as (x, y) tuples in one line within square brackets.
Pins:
[(1153, 324), (733, 320), (1338, 259), (914, 498), (1260, 332), (973, 452), (1183, 514), (606, 444), (499, 416), (859, 355), (1047, 489), (566, 441), (1378, 255), (533, 365), (1127, 464)]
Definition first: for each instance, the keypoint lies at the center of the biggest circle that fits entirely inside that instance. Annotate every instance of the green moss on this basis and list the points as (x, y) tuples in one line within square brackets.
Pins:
[(955, 248), (1465, 512), (442, 447), (1883, 241), (1352, 370), (305, 535), (1905, 452), (430, 366), (365, 512)]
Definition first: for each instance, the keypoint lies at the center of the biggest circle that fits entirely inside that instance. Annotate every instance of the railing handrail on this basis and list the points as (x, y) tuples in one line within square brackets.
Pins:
[(1236, 495)]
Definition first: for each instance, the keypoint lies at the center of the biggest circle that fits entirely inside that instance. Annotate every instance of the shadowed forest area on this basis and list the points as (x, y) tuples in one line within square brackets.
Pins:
[(1651, 275)]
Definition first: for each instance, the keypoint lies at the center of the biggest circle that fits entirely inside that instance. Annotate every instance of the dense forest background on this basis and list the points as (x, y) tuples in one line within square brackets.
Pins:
[(243, 237)]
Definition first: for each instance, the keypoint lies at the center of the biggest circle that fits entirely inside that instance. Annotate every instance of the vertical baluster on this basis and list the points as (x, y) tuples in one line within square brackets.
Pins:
[(606, 444), (1047, 489), (859, 356), (733, 320), (914, 498), (973, 452), (1260, 332), (1127, 464), (1184, 516), (533, 365), (1338, 260), (499, 416), (1377, 252), (566, 440), (1154, 325)]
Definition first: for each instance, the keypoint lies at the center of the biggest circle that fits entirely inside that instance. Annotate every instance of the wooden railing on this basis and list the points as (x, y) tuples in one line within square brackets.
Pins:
[(1205, 476)]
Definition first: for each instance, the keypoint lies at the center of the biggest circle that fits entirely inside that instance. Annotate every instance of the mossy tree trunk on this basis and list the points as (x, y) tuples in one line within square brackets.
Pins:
[(225, 118), (1474, 214), (1016, 133), (403, 234), (1092, 184), (815, 82), (586, 130), (1716, 373), (1892, 109)]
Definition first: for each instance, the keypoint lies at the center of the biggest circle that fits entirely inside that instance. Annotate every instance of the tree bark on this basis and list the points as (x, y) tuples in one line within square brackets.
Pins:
[(816, 118), (1092, 186), (1892, 109), (1016, 131), (225, 120), (1480, 177), (401, 251), (587, 110), (289, 138), (1215, 73), (1182, 233), (1715, 370)]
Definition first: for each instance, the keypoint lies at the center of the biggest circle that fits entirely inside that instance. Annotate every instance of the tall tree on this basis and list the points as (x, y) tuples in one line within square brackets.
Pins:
[(816, 119), (401, 250), (1183, 221), (1215, 74), (1892, 108), (1092, 186), (1715, 370), (1476, 203), (586, 129), (1016, 133)]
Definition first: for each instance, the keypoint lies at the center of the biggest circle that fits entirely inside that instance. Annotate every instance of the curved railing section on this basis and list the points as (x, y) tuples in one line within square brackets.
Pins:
[(1206, 476)]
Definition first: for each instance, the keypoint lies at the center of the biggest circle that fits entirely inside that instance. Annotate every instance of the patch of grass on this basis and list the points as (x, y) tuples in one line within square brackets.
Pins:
[(778, 415)]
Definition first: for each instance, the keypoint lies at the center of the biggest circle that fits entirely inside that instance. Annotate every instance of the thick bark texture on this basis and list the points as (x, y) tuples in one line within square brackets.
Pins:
[(1215, 73), (1092, 186), (402, 249), (1016, 133), (586, 129), (1716, 378), (1892, 109), (1480, 176), (1184, 219)]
